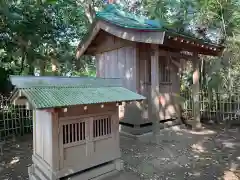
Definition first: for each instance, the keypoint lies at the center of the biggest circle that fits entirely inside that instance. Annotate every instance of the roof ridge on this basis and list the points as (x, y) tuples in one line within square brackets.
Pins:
[(80, 77), (78, 86)]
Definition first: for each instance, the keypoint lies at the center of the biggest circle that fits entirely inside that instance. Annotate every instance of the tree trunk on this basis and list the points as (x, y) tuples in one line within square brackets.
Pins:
[(22, 60), (89, 9), (31, 70), (90, 13), (54, 67), (30, 61), (42, 68)]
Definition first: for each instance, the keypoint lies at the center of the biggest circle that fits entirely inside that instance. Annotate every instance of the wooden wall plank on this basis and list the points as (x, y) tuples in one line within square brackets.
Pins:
[(113, 63), (106, 64), (106, 42), (121, 63), (115, 70), (97, 61), (135, 66), (121, 54), (129, 68), (101, 66)]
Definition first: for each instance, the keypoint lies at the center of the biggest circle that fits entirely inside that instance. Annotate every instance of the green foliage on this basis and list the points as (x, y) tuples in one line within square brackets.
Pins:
[(218, 20), (33, 33), (187, 79)]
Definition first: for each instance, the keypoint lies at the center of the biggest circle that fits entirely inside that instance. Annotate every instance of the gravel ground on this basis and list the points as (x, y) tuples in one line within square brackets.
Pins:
[(178, 154)]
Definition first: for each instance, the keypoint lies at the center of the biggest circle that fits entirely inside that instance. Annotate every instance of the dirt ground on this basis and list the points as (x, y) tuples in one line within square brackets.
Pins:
[(179, 154)]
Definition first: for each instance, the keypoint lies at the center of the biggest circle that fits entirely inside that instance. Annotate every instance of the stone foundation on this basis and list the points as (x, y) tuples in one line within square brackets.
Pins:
[(141, 129), (95, 173)]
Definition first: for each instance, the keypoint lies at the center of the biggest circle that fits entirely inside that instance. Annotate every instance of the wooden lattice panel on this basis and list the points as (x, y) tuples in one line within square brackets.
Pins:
[(102, 127), (74, 133)]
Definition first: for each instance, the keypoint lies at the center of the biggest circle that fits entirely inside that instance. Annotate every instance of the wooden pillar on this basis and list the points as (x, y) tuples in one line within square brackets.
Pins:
[(89, 137), (137, 68), (195, 93), (154, 103), (34, 132), (55, 146)]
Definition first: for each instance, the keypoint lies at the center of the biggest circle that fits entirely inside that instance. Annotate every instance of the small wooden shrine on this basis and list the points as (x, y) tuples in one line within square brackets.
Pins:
[(148, 58), (75, 125)]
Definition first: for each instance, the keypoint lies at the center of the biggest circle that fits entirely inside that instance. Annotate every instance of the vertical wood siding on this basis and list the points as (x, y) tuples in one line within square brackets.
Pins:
[(119, 63), (43, 135)]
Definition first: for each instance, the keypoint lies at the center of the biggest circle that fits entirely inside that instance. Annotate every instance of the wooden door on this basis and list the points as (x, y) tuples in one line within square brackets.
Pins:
[(73, 140), (87, 142)]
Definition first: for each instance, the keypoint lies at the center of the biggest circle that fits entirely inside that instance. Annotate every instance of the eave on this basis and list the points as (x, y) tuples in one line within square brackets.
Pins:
[(163, 38)]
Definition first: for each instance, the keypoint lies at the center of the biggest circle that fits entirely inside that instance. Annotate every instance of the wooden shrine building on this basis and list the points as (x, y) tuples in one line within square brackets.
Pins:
[(75, 125), (147, 57)]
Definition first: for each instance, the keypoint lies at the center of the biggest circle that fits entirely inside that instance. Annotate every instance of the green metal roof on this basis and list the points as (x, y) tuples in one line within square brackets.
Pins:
[(68, 96), (113, 14), (62, 91), (60, 81)]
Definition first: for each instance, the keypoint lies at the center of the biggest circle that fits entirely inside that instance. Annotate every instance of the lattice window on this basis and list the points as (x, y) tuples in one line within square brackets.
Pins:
[(164, 70), (74, 132), (102, 127)]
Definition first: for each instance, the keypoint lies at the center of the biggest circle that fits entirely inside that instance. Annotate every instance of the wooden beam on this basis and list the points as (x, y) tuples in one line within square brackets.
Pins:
[(154, 103), (194, 42), (151, 37), (176, 54), (82, 47), (192, 47)]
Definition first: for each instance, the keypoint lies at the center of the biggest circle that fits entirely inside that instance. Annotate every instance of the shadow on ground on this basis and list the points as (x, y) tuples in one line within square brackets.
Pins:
[(16, 158), (213, 153)]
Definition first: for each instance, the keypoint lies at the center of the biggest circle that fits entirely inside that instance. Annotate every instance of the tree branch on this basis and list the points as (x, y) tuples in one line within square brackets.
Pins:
[(223, 21)]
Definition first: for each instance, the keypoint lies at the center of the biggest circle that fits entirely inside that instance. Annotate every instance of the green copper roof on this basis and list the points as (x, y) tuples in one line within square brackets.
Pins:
[(128, 20), (113, 14), (62, 91)]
